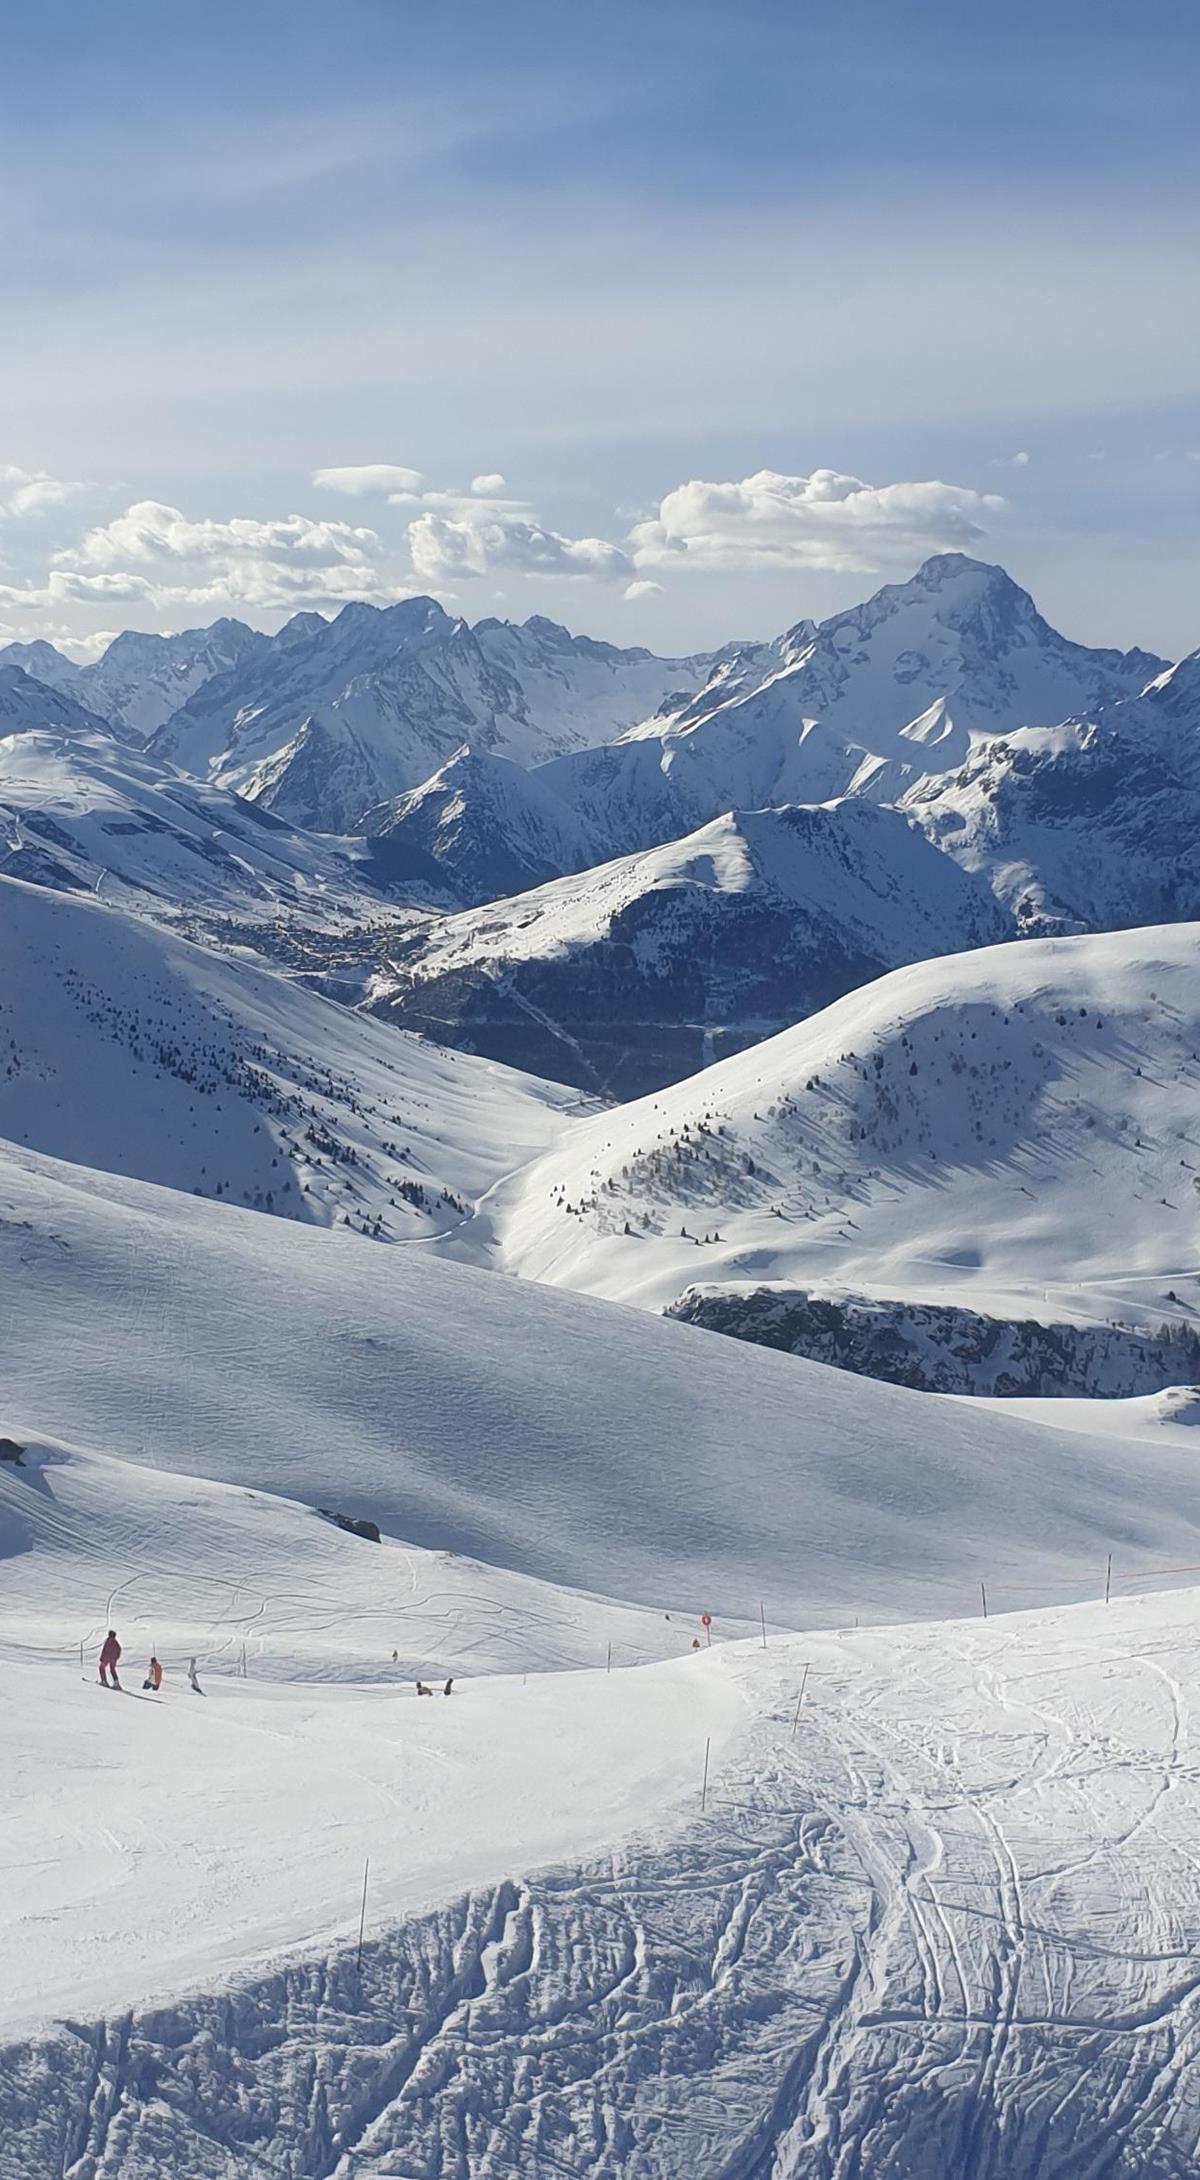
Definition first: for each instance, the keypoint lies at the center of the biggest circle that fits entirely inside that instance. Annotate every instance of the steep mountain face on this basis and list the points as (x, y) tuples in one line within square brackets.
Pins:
[(490, 827), (141, 680), (27, 706), (1091, 825), (864, 703), (1011, 1133), (359, 710), (43, 662), (81, 813), (637, 973)]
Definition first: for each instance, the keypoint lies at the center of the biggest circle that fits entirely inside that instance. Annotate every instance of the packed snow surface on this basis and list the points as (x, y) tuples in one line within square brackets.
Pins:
[(936, 1920)]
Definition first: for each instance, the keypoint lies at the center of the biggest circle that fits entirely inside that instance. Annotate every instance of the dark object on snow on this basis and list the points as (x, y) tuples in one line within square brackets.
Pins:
[(356, 1528), (10, 1451), (449, 1685), (110, 1658), (422, 1690)]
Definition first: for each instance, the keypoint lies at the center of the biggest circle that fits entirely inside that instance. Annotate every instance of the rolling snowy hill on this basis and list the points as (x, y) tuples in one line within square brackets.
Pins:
[(546, 1433), (1011, 1134), (637, 972), (130, 1051)]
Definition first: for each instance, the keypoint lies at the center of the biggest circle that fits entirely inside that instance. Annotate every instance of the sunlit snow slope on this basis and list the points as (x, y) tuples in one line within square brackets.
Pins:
[(1012, 1129), (126, 1049)]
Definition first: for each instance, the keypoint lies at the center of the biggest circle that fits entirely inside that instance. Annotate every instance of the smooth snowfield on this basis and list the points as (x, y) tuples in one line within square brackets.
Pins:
[(1014, 1129), (544, 1432), (937, 1923)]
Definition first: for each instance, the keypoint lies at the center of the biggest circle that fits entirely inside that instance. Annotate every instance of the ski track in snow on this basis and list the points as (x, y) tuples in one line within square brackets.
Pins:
[(937, 1924)]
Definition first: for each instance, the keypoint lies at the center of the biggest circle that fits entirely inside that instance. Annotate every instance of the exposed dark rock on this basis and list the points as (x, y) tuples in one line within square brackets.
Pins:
[(941, 1349)]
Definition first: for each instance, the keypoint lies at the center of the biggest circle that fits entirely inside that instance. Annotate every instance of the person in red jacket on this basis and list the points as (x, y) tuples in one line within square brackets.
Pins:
[(109, 1658), (153, 1678)]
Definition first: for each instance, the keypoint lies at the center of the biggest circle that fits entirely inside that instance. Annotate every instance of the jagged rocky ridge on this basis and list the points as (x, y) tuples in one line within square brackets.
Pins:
[(942, 1349)]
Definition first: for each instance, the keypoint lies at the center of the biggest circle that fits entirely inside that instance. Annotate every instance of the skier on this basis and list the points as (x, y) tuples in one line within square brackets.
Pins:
[(153, 1678), (193, 1683), (109, 1658)]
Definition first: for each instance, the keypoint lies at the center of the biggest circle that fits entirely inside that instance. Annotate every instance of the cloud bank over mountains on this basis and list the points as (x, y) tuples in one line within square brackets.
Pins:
[(435, 538)]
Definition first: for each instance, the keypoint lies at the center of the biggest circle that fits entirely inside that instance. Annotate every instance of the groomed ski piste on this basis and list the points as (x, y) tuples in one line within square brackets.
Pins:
[(872, 1886)]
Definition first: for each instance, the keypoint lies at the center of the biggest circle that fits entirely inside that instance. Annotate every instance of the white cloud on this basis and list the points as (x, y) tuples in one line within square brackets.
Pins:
[(364, 479), (488, 484), (1020, 460), (284, 561), (824, 521), (28, 491), (642, 588), (486, 534)]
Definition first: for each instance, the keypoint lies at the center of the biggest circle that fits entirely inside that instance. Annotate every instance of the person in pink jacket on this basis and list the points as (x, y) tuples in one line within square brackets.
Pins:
[(109, 1658)]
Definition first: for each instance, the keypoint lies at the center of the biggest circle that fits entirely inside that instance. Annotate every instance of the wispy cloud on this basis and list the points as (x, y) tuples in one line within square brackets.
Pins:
[(364, 480), (29, 491)]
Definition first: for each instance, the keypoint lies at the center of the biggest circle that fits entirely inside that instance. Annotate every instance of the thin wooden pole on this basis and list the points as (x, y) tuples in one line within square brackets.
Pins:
[(704, 1788), (608, 1667), (762, 1621), (1108, 1579), (799, 1701), (362, 1920), (983, 1594)]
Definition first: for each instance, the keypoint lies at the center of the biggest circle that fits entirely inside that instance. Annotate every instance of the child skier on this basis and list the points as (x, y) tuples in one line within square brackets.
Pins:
[(153, 1678), (109, 1659)]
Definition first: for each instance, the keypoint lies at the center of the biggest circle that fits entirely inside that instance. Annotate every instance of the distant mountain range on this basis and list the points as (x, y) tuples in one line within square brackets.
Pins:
[(670, 882)]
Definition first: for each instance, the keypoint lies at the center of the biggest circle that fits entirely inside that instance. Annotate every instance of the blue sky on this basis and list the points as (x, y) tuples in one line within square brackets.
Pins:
[(658, 268)]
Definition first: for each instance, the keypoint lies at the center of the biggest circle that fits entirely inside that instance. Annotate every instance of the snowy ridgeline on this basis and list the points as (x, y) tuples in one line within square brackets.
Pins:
[(945, 1350), (936, 1919)]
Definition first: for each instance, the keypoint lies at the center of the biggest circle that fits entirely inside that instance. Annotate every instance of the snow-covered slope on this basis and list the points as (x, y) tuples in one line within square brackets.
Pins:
[(936, 1919), (865, 702), (26, 706), (78, 812), (548, 1433), (354, 712), (1090, 825), (635, 973), (128, 1050), (492, 827), (1013, 1131), (42, 662), (927, 1837), (142, 679)]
